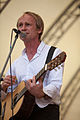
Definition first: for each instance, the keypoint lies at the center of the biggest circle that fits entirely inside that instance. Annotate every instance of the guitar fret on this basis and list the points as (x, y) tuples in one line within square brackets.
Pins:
[(39, 74)]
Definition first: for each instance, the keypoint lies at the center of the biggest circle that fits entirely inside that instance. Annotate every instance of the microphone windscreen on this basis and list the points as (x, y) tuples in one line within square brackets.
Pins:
[(23, 35)]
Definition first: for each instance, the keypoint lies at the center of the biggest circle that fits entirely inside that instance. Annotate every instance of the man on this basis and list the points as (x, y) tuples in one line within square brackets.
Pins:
[(32, 60)]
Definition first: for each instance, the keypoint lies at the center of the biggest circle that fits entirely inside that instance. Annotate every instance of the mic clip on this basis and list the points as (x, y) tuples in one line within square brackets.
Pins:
[(16, 31)]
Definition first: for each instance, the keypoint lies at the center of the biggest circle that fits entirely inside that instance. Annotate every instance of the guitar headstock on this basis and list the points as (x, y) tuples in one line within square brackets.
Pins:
[(56, 61)]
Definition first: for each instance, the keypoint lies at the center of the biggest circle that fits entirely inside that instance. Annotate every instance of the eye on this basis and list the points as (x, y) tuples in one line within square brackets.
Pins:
[(27, 24), (20, 25)]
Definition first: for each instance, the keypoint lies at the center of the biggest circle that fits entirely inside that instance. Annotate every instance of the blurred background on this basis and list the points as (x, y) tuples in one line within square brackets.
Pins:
[(62, 29)]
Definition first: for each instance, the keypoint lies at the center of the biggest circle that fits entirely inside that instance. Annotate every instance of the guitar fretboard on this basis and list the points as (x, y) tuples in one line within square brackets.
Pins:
[(40, 74)]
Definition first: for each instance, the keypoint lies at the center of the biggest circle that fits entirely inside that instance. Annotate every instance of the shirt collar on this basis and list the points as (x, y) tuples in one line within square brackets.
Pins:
[(24, 51), (39, 49)]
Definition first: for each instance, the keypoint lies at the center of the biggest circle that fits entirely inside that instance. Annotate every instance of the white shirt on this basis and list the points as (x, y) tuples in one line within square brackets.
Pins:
[(24, 69)]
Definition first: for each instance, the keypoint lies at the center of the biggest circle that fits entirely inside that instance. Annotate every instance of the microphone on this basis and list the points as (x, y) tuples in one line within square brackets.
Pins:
[(22, 34)]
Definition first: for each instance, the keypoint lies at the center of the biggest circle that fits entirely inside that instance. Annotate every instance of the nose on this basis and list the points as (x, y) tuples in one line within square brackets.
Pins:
[(23, 28)]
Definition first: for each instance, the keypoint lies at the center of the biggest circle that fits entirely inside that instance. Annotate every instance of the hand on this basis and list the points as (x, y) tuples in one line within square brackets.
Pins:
[(7, 82), (35, 89)]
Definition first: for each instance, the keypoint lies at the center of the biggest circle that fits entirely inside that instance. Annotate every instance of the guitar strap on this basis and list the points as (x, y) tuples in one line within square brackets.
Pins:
[(50, 54)]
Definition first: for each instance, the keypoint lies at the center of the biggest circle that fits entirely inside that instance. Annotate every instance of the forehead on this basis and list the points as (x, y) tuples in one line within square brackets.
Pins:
[(26, 18)]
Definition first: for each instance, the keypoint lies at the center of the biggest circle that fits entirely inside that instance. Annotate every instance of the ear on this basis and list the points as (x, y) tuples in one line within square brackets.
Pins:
[(40, 30)]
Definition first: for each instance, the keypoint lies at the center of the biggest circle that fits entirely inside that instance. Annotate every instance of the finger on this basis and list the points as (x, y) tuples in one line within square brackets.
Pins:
[(33, 80), (8, 81), (5, 85), (40, 79), (14, 76), (28, 83), (11, 77), (27, 86)]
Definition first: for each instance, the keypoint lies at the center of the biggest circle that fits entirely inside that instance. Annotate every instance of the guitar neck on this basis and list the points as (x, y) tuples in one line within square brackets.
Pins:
[(40, 73)]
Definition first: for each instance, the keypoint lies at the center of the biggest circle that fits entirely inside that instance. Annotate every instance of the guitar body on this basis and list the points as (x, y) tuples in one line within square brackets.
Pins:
[(22, 109)]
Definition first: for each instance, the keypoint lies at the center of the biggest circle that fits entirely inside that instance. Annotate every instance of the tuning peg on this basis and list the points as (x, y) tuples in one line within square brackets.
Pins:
[(55, 69), (62, 65), (58, 67)]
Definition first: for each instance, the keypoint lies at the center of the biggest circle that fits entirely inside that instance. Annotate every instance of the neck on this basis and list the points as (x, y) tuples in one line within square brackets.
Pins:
[(31, 48)]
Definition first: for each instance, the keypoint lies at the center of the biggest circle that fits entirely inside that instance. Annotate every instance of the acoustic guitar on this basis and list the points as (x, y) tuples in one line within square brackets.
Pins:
[(23, 102)]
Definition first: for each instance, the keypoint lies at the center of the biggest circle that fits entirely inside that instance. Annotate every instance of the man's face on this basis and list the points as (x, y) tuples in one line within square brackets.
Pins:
[(27, 24)]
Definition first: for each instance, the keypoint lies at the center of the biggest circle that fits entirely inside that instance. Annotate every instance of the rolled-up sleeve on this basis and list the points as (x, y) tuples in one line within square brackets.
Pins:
[(54, 82)]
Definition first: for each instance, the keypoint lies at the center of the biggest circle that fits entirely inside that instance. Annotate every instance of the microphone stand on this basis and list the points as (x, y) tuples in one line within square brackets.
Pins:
[(16, 37)]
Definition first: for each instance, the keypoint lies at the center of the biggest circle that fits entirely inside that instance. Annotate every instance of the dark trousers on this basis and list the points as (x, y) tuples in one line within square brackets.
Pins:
[(50, 112)]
